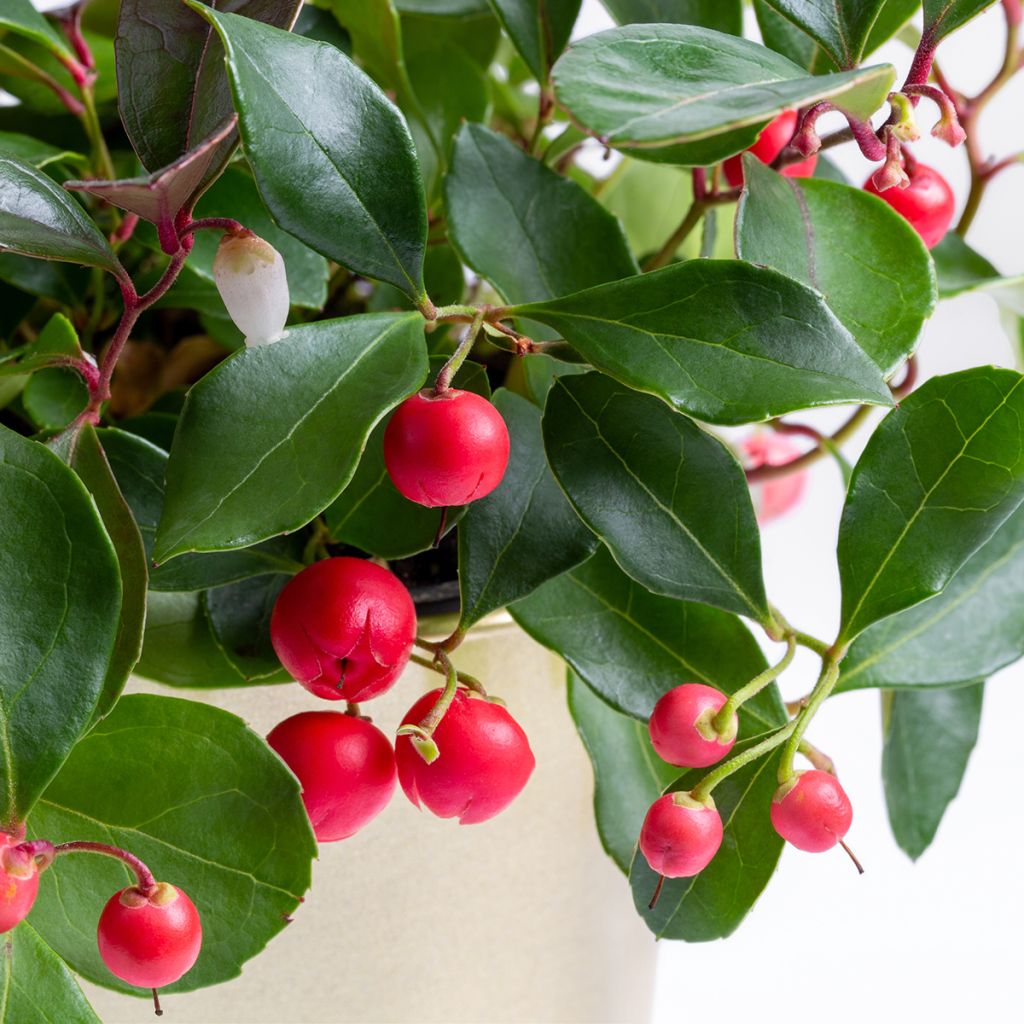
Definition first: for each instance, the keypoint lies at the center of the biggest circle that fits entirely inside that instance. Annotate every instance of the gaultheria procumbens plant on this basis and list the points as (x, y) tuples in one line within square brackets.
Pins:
[(294, 317)]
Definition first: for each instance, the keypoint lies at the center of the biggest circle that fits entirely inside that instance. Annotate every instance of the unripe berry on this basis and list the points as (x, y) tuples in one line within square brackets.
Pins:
[(19, 883), (250, 276), (770, 143), (927, 202), (680, 835), (149, 941), (344, 628), (346, 767), (446, 449), (484, 762), (774, 497), (811, 811), (682, 730)]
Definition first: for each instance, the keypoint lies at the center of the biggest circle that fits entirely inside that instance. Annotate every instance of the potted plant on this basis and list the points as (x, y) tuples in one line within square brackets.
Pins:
[(344, 395)]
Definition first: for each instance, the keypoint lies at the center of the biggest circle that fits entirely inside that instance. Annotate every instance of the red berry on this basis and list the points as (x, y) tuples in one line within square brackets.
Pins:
[(773, 139), (680, 835), (927, 202), (774, 498), (681, 726), (346, 767), (485, 759), (149, 941), (811, 811), (19, 884), (344, 628), (446, 449)]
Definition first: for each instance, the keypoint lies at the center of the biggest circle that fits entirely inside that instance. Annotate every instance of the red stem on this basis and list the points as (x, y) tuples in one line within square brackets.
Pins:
[(72, 25), (921, 68), (232, 227), (147, 883)]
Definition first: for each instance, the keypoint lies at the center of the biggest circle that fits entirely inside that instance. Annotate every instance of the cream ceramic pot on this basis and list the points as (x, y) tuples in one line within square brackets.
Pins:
[(520, 919)]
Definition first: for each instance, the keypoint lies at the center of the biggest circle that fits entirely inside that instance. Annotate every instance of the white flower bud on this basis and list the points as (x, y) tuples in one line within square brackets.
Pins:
[(250, 277)]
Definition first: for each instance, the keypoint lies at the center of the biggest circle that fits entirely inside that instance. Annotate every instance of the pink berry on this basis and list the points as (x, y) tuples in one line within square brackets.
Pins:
[(344, 628), (446, 449), (19, 883), (811, 811), (774, 498), (346, 767), (150, 940), (682, 729), (680, 835), (485, 759), (773, 139), (927, 202)]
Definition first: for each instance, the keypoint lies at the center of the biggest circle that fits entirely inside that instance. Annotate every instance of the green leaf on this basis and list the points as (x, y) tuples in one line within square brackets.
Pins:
[(53, 397), (713, 904), (928, 741), (970, 631), (332, 156), (944, 16), (30, 150), (631, 646), (441, 8), (882, 288), (649, 200), (628, 775), (57, 343), (959, 268), (239, 617), (37, 218), (376, 32), (21, 18), (842, 30), (669, 499), (35, 985), (539, 29), (58, 281), (205, 803), (724, 341), (656, 90), (939, 476), (269, 438), (525, 532), (782, 36), (528, 230), (893, 16), (59, 610), (722, 15)]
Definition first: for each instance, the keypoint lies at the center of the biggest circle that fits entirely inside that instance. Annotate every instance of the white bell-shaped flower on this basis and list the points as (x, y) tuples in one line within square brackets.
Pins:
[(251, 279)]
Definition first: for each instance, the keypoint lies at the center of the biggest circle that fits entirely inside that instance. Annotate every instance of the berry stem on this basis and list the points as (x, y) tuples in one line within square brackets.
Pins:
[(657, 893), (818, 758), (147, 883), (157, 1008), (468, 681), (849, 853), (823, 688), (754, 687), (228, 224), (465, 346), (704, 788)]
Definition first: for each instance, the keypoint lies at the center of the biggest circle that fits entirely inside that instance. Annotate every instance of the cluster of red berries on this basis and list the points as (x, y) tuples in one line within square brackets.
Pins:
[(682, 832)]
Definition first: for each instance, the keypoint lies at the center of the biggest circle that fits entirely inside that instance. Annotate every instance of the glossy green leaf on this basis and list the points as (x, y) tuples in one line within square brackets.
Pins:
[(882, 288), (842, 30), (22, 18), (724, 341), (722, 15), (713, 904), (628, 775), (239, 617), (269, 438), (782, 36), (59, 609), (928, 741), (332, 156), (970, 631), (669, 499), (539, 29), (37, 218), (944, 16), (939, 476), (54, 396), (631, 646), (656, 90), (205, 803), (531, 232), (525, 531)]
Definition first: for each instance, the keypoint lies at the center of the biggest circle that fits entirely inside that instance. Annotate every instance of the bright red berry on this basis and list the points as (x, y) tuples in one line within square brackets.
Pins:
[(346, 767), (927, 202), (344, 628), (774, 498), (485, 759), (770, 143), (446, 449), (150, 940), (19, 883), (680, 835), (812, 811), (682, 729)]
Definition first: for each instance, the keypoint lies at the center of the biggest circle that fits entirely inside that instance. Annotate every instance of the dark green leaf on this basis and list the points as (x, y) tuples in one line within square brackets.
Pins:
[(944, 16), (56, 344), (959, 268), (33, 151), (239, 617), (376, 33), (332, 156), (523, 533), (782, 36), (533, 375), (58, 281), (928, 740), (476, 33), (531, 232), (59, 609), (939, 476), (842, 30), (669, 499), (539, 29), (205, 803), (628, 775), (894, 15), (882, 288), (21, 18), (269, 438), (722, 15), (631, 646), (724, 341), (54, 397)]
